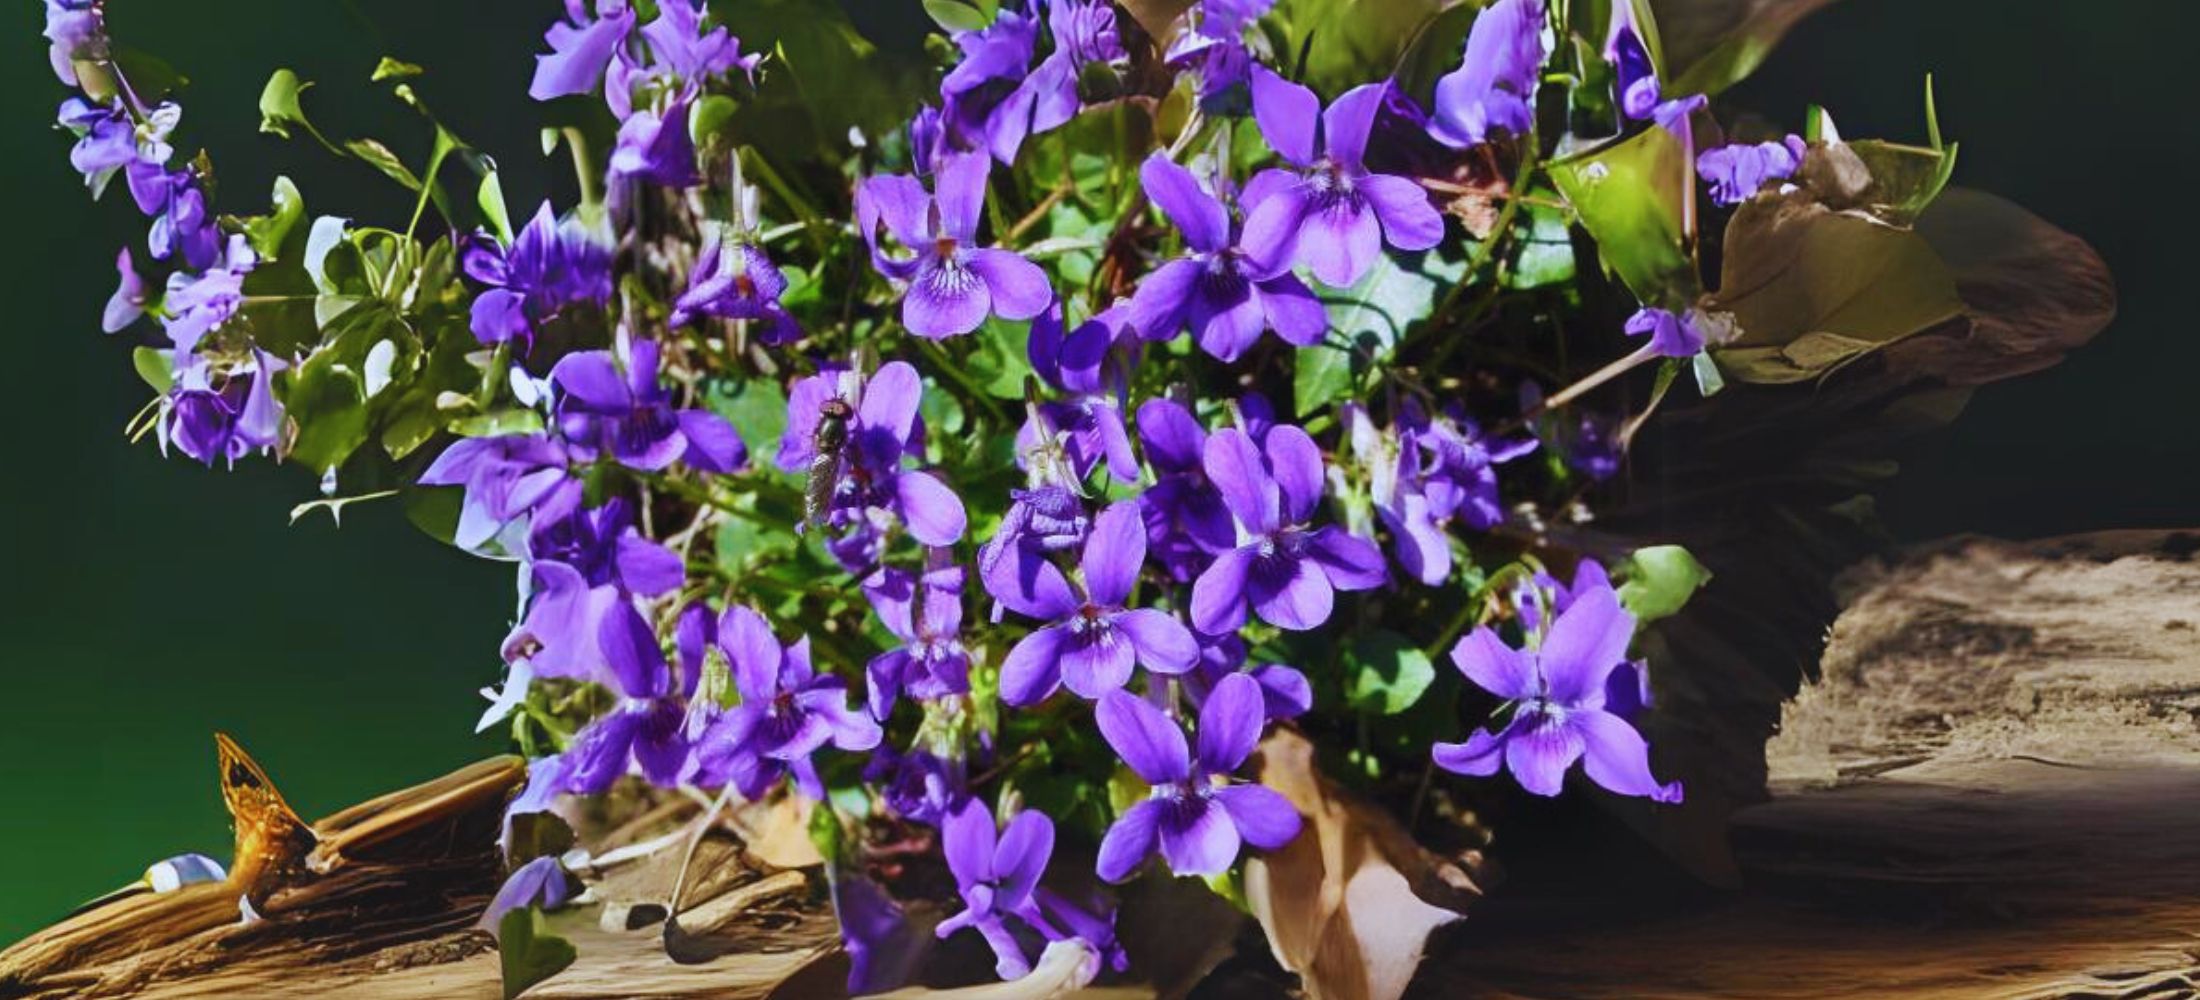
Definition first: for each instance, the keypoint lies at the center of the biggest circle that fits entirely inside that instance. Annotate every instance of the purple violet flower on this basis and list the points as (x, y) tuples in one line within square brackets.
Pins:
[(226, 413), (1737, 171), (925, 613), (976, 102), (542, 882), (919, 785), (628, 415), (1195, 817), (953, 283), (733, 279), (1209, 286), (581, 48), (1186, 519), (182, 226), (1332, 215), (1641, 97), (1047, 518), (1091, 364), (1288, 572), (1536, 600), (1084, 34), (1285, 693), (788, 712), (107, 140), (996, 876), (1212, 46), (1494, 87), (654, 145), (549, 266), (1458, 468), (505, 479), (1557, 689), (871, 490), (1671, 335), (1091, 644), (678, 43), (1390, 459)]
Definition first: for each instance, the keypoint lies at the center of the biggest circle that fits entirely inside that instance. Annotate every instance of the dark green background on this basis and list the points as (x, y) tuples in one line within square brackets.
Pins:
[(149, 602)]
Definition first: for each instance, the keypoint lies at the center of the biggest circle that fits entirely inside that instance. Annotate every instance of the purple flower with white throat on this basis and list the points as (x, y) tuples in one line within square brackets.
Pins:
[(1289, 572), (1186, 519), (1195, 817), (869, 488), (1332, 215), (996, 875), (735, 280), (581, 48), (505, 478), (548, 267), (1092, 643), (788, 712), (925, 613), (1737, 171), (953, 283), (1557, 692), (1210, 287), (224, 411), (622, 411), (1494, 87)]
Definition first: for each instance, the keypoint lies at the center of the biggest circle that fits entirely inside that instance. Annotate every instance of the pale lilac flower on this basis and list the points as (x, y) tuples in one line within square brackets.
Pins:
[(76, 30), (953, 284), (616, 407), (1195, 817), (182, 227), (787, 712), (996, 874), (129, 300), (1494, 87), (106, 140), (1557, 692), (1332, 215), (1210, 287), (1288, 571), (1737, 171), (196, 304), (1092, 643)]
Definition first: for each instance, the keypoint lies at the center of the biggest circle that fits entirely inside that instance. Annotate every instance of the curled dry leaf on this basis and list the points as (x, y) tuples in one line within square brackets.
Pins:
[(1349, 904)]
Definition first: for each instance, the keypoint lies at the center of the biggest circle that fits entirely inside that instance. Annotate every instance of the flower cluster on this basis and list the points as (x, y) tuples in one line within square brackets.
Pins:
[(1008, 343)]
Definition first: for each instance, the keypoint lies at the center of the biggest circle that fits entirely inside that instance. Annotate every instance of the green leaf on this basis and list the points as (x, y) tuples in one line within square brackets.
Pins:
[(394, 69), (1350, 41), (1384, 672), (1368, 321), (756, 407), (380, 158), (1812, 289), (710, 121), (1545, 250), (269, 233), (1635, 197), (1713, 45), (279, 108), (491, 199), (328, 400), (497, 423), (955, 16), (528, 953), (998, 361), (1660, 580), (156, 367)]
